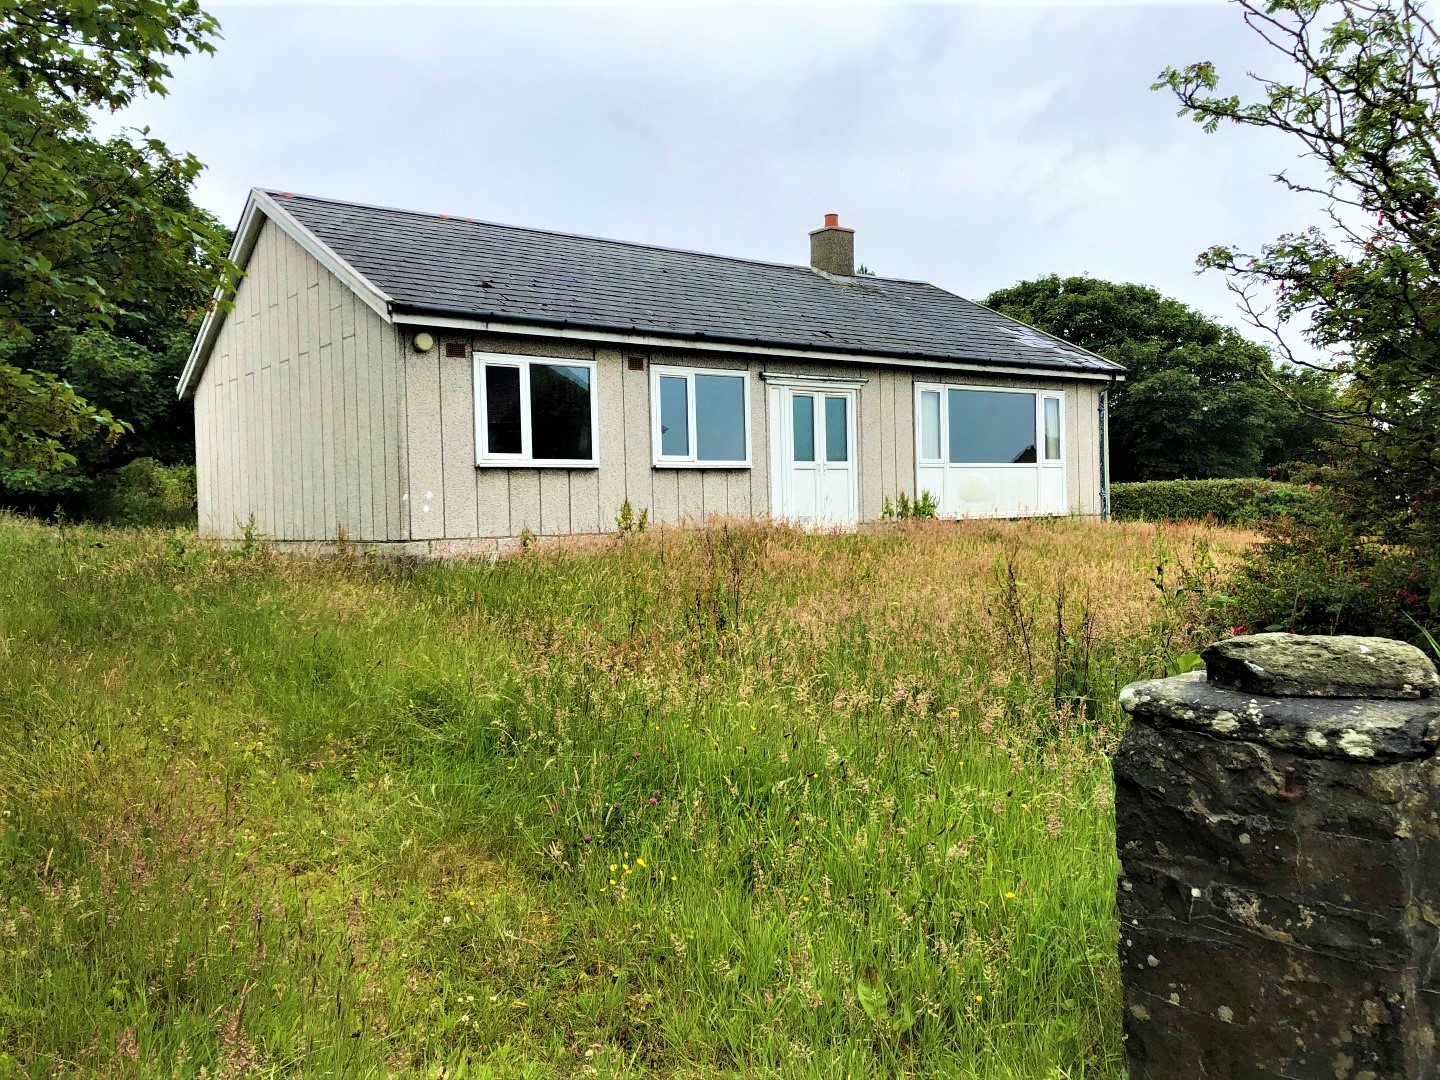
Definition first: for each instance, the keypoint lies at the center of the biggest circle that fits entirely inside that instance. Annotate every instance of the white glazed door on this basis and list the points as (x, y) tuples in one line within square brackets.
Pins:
[(818, 456)]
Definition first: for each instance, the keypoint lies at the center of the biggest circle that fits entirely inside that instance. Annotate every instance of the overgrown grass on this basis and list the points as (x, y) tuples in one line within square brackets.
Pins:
[(739, 802)]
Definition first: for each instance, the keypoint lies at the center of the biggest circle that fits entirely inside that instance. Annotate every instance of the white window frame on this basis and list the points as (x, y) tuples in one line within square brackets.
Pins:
[(525, 458), (921, 389), (689, 461), (944, 458), (1057, 396)]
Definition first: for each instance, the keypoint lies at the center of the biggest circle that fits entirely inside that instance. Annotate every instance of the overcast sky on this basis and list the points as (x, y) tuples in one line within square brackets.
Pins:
[(970, 146)]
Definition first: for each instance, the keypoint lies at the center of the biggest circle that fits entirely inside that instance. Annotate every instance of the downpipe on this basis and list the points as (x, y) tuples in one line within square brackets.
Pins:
[(1104, 418)]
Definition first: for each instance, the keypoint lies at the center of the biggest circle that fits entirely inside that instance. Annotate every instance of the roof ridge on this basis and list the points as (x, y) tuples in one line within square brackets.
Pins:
[(286, 195)]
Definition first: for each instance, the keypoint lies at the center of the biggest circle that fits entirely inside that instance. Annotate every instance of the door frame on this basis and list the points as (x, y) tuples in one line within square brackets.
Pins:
[(778, 387)]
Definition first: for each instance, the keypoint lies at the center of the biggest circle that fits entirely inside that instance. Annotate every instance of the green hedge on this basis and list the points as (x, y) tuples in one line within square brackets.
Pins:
[(1230, 502), (145, 492)]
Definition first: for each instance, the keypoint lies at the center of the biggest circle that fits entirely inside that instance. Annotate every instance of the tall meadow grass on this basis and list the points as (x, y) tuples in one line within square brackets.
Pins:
[(739, 801)]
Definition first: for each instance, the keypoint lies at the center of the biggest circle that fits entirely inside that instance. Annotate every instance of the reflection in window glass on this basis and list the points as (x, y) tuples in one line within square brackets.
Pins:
[(991, 428), (1052, 429), (802, 411), (930, 425), (837, 431), (674, 417), (560, 412), (719, 418), (502, 410)]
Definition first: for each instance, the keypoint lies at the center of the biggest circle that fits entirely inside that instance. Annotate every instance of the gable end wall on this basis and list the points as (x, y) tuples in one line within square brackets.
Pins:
[(299, 414)]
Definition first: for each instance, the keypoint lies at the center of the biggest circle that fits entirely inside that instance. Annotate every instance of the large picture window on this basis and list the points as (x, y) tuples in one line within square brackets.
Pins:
[(985, 452), (701, 417), (989, 428), (963, 426), (537, 411)]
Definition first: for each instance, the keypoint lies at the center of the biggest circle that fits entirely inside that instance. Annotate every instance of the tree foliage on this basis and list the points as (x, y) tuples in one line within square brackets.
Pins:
[(97, 52), (1200, 401), (40, 415), (1358, 96), (131, 370), (90, 228)]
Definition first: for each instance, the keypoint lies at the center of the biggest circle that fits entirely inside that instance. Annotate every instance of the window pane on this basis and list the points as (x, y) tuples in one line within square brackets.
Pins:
[(990, 428), (719, 418), (837, 431), (930, 425), (502, 410), (674, 417), (1052, 429), (560, 412), (802, 412)]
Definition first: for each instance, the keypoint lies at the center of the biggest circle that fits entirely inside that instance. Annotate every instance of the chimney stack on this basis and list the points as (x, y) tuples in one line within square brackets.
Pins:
[(832, 248)]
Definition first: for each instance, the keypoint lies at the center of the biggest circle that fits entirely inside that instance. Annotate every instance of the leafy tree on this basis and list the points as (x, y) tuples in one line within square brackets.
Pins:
[(89, 228), (1200, 401), (1359, 99), (130, 369)]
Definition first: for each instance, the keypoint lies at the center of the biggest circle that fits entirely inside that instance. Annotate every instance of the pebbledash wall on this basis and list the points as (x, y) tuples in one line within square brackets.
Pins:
[(315, 418)]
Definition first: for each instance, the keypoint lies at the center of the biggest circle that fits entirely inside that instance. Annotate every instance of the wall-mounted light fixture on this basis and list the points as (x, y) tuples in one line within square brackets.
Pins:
[(423, 342)]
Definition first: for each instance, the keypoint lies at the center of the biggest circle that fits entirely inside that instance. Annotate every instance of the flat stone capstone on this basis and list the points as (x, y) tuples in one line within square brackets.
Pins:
[(1311, 665), (1360, 729)]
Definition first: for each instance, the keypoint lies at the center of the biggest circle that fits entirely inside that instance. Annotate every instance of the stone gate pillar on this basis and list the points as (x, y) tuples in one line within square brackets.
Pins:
[(1279, 892)]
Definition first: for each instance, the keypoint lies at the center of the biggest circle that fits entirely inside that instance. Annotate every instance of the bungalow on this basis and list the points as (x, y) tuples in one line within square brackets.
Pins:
[(438, 385)]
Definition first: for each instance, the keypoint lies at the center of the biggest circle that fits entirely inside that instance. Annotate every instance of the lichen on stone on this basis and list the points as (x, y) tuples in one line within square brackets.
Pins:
[(1357, 744), (1315, 665), (1355, 729)]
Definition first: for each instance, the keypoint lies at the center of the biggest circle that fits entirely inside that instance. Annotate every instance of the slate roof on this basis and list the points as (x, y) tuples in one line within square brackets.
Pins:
[(434, 264)]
